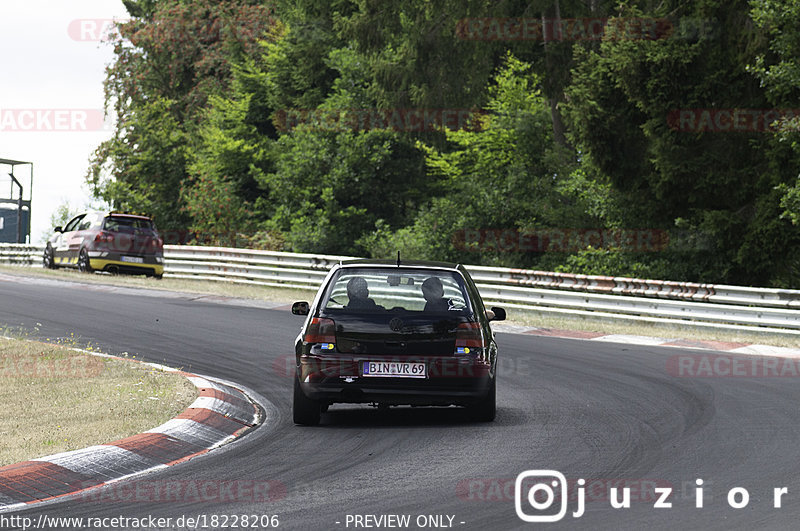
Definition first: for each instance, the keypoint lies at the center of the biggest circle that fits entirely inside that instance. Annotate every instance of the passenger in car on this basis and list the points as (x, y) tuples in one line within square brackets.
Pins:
[(433, 291), (358, 295)]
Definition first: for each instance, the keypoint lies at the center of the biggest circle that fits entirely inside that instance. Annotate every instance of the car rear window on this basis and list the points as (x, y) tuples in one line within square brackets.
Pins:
[(126, 224), (381, 289)]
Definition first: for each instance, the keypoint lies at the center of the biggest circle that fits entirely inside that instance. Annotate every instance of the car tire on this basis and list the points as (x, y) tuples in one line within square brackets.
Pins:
[(83, 262), (304, 410), (486, 409), (48, 261), (158, 277)]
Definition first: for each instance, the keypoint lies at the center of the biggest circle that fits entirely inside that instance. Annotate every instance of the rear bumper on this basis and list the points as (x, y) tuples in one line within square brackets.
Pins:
[(449, 380), (151, 263)]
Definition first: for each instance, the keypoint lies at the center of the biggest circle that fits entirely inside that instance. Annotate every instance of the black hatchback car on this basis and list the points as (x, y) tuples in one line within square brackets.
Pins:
[(391, 333)]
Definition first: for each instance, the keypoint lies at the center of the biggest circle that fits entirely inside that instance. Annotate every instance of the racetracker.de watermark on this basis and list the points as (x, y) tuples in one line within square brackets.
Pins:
[(186, 491), (285, 367), (53, 120), (593, 490), (730, 120), (93, 29), (560, 240), (727, 366), (175, 29), (583, 29), (16, 366), (194, 237), (401, 120)]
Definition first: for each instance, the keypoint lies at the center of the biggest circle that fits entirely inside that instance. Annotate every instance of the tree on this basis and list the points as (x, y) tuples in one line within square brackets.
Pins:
[(622, 103), (63, 213), (301, 137), (170, 58), (779, 72), (507, 178)]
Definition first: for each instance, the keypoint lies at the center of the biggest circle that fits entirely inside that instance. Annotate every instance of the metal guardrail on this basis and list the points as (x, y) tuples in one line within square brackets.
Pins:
[(617, 298), (689, 291), (269, 268), (21, 254)]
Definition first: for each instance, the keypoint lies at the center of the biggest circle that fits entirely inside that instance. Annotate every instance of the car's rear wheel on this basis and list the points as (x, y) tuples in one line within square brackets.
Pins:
[(304, 410), (83, 262), (486, 409), (48, 261)]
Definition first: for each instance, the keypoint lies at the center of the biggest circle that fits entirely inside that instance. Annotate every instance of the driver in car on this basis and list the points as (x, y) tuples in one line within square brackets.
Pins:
[(433, 291), (358, 295)]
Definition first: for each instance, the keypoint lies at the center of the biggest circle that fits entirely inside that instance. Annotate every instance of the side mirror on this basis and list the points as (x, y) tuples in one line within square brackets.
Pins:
[(499, 314), (59, 229), (300, 308)]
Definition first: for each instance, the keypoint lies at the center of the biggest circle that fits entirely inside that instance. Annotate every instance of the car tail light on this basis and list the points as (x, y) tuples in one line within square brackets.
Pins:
[(156, 244), (468, 336), (104, 237), (321, 330)]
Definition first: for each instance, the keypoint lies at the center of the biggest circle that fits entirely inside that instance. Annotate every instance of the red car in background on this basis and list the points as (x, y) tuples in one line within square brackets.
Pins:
[(116, 242)]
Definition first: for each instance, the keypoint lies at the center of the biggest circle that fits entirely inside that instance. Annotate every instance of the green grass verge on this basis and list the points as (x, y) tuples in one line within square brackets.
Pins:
[(56, 399)]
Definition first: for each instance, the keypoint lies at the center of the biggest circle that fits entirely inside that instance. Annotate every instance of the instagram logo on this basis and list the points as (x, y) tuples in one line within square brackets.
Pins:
[(537, 489)]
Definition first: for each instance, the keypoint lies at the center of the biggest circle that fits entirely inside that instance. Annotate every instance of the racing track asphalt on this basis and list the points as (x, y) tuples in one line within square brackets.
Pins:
[(590, 410)]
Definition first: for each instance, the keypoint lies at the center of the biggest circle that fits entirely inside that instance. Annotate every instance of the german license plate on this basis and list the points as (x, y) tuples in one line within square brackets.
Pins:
[(133, 259), (393, 369)]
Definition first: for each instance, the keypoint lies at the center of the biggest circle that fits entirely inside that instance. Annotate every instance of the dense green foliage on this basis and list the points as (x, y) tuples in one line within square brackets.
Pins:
[(296, 126), (170, 59)]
